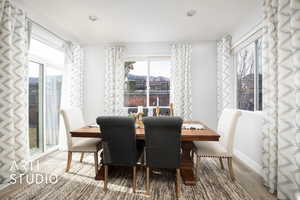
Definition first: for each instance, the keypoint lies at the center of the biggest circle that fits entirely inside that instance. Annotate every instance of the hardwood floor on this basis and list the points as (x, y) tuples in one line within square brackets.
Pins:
[(247, 178)]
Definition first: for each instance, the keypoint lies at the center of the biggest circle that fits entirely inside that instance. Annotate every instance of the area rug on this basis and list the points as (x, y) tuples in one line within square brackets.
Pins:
[(213, 184)]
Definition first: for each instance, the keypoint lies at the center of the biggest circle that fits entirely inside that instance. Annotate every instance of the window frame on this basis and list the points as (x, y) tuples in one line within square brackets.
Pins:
[(147, 59), (250, 39)]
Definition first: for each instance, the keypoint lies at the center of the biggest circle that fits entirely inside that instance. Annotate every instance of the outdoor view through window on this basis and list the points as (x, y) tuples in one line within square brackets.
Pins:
[(147, 83), (249, 77)]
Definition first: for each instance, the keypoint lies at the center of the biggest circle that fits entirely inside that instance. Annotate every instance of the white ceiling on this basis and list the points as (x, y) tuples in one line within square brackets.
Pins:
[(140, 20)]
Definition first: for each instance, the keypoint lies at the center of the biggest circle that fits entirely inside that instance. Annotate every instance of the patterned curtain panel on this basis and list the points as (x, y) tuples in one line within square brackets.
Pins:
[(225, 93), (281, 103), (114, 81), (72, 87), (74, 75), (181, 80), (13, 88)]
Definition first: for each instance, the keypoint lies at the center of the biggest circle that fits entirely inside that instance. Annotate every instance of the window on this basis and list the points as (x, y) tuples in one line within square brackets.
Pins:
[(44, 82), (248, 62), (147, 82)]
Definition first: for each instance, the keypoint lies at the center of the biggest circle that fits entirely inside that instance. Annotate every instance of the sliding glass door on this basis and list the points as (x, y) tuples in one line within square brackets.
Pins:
[(46, 67), (45, 84)]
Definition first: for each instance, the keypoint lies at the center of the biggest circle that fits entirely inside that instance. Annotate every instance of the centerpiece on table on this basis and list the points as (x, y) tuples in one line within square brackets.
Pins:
[(139, 116)]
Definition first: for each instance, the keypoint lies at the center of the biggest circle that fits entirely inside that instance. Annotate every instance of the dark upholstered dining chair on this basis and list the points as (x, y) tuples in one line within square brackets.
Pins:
[(163, 146), (119, 144)]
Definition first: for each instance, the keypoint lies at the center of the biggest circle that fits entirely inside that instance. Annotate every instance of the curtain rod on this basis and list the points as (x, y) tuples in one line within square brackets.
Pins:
[(249, 34), (43, 27), (246, 38)]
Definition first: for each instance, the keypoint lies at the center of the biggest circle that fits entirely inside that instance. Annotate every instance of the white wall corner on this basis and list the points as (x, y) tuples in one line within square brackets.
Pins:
[(249, 162)]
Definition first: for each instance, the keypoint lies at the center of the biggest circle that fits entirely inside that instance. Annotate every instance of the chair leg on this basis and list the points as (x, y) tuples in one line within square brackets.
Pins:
[(96, 162), (147, 181), (177, 183), (198, 160), (134, 179), (81, 157), (69, 161), (105, 177), (221, 163), (230, 167)]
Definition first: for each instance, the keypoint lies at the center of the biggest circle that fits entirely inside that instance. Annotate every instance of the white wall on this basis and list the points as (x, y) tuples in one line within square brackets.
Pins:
[(94, 82), (204, 88), (203, 70), (148, 49), (248, 141)]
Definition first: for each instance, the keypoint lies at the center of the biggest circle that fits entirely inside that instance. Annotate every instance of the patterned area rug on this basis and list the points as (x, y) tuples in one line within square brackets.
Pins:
[(213, 184)]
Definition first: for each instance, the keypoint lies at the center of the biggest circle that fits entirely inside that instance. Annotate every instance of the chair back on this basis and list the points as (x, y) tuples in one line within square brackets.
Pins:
[(73, 119), (163, 141), (171, 106), (226, 128), (118, 140)]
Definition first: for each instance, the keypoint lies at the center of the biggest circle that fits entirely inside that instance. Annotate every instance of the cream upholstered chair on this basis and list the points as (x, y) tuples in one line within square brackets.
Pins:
[(73, 119), (224, 148)]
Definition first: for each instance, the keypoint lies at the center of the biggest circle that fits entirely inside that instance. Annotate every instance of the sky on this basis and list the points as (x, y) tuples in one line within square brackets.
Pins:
[(157, 68)]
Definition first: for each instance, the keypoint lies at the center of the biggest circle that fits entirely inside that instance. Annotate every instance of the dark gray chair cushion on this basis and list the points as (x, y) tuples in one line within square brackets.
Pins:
[(163, 141), (119, 141)]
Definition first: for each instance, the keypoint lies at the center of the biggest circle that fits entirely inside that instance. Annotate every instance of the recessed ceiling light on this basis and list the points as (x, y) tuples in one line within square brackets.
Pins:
[(191, 13), (93, 18)]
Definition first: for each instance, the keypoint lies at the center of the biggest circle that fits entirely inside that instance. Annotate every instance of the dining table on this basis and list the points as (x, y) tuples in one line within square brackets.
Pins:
[(188, 136)]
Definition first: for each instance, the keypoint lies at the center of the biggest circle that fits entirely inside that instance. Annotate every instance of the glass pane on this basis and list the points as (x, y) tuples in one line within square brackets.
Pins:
[(159, 80), (135, 84), (245, 60), (46, 52), (34, 81), (259, 73), (53, 83)]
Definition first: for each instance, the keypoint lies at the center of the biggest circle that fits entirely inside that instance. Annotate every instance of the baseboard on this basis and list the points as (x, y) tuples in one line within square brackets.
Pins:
[(249, 162)]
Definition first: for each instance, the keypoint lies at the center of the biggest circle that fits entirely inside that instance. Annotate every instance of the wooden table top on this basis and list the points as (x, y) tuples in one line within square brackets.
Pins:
[(206, 134)]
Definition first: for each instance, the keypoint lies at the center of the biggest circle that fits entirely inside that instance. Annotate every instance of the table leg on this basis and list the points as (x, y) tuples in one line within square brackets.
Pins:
[(187, 164), (186, 168)]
